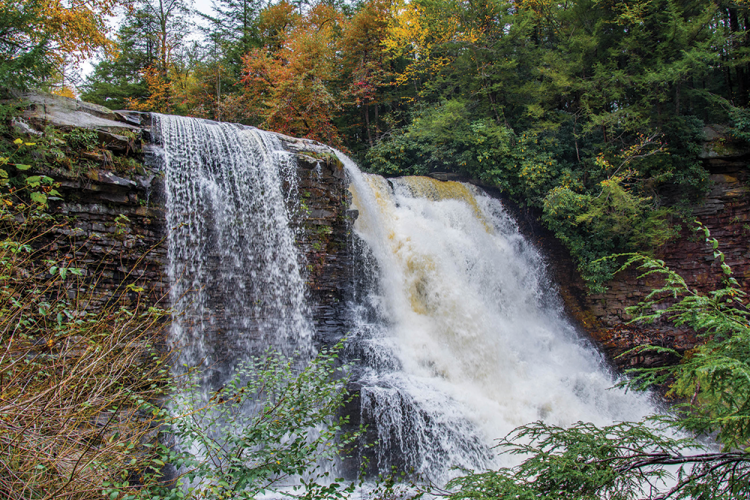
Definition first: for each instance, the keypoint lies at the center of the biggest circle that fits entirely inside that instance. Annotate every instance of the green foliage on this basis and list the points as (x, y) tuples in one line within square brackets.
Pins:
[(593, 227), (580, 462), (715, 376), (624, 461), (18, 188), (445, 138), (82, 139), (269, 423), (740, 118), (24, 56)]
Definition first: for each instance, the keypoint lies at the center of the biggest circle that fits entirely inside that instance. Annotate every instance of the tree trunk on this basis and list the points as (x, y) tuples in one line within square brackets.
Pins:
[(377, 129), (367, 123), (734, 28)]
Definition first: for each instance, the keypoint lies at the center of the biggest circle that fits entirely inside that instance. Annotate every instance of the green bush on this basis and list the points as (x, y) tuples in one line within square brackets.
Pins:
[(740, 118), (269, 424), (446, 138), (593, 227)]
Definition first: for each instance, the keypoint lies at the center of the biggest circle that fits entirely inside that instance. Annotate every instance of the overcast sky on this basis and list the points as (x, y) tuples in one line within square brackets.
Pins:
[(202, 6)]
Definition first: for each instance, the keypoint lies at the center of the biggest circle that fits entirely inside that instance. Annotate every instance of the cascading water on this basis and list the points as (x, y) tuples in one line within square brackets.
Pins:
[(462, 337), (459, 335), (234, 271)]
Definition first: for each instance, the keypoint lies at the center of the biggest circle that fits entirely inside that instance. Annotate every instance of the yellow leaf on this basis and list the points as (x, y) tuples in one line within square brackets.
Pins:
[(18, 141)]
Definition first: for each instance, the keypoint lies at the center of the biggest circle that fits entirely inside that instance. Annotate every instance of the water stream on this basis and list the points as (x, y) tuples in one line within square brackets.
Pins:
[(235, 273), (459, 334), (462, 336)]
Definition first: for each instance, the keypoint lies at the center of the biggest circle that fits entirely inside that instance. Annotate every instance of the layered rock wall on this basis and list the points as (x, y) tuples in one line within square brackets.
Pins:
[(726, 213), (119, 216)]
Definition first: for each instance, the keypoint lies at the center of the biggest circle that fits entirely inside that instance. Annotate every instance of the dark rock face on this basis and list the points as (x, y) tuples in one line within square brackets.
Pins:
[(119, 225), (324, 241)]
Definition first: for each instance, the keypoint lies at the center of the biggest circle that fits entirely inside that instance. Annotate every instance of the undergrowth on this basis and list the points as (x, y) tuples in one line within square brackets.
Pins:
[(76, 367)]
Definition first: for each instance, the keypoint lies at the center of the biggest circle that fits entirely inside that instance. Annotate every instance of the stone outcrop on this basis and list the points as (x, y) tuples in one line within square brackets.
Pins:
[(725, 212), (118, 230)]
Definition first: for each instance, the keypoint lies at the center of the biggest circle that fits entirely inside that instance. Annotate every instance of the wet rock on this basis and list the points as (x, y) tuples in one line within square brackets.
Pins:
[(21, 127), (108, 178), (719, 144), (135, 118), (445, 176)]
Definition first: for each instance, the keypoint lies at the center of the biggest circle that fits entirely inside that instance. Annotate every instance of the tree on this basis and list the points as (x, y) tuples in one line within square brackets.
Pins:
[(235, 28), (118, 78), (292, 82), (364, 59), (38, 36), (150, 39), (23, 60)]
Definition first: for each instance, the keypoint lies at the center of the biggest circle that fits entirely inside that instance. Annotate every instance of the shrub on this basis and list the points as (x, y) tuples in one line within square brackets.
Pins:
[(74, 378), (271, 424)]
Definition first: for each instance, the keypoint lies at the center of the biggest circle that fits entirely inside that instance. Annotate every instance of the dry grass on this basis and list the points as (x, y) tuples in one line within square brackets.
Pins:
[(73, 379)]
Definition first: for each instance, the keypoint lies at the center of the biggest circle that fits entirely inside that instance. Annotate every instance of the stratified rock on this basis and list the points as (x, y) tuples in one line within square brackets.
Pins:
[(719, 144), (99, 196)]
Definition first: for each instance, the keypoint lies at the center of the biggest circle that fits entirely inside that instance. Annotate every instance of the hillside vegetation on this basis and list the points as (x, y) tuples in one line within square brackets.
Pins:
[(590, 111)]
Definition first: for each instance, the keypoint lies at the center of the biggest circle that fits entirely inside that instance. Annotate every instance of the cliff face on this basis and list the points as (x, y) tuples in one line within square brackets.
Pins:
[(132, 249), (725, 212), (119, 221)]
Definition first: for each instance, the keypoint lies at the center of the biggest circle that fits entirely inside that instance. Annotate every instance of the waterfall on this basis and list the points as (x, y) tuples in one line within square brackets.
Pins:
[(235, 279), (461, 335)]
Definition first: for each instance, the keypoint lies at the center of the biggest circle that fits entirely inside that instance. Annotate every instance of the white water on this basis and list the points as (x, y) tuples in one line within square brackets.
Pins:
[(235, 278), (463, 336)]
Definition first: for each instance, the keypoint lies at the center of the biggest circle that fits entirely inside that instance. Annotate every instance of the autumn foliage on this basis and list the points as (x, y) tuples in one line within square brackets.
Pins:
[(290, 82), (39, 39)]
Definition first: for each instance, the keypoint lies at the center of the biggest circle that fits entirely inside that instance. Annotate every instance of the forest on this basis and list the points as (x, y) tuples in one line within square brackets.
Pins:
[(589, 111), (591, 114)]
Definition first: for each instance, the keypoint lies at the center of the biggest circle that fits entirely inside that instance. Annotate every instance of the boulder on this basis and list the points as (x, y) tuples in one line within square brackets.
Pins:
[(66, 114), (719, 144)]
